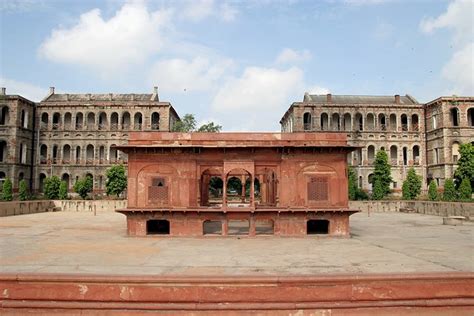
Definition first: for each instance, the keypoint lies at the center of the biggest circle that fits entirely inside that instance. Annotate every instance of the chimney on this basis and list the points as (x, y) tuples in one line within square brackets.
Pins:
[(329, 98), (154, 96), (306, 97), (4, 91), (397, 99), (51, 90), (155, 90)]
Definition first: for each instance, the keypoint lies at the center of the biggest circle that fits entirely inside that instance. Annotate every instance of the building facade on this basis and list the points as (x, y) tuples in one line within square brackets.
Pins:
[(397, 124), (73, 135)]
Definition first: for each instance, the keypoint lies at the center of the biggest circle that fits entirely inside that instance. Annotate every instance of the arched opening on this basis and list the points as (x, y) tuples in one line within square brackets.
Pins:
[(317, 227), (324, 122), (102, 121), (157, 227), (65, 178), (470, 117), (416, 155), (382, 122), (114, 121), (370, 181), (371, 154), (78, 154), (434, 121), (90, 154), (359, 121), (67, 121), (23, 121), (3, 151), (42, 177), (236, 195), (56, 121), (66, 154), (44, 121), (335, 122), (126, 120), (211, 188), (91, 121), (4, 115), (55, 154), (212, 227), (405, 156), (155, 121), (137, 121), (455, 151), (347, 122), (79, 121), (404, 122), (357, 157), (393, 155), (43, 154), (113, 154), (23, 153), (307, 121), (415, 125), (101, 154), (370, 122), (393, 122), (454, 116)]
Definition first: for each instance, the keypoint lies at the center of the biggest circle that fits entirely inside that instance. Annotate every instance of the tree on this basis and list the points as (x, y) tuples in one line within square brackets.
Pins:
[(449, 193), (412, 185), (433, 191), (188, 124), (382, 176), (465, 190), (83, 186), (63, 190), (22, 191), (7, 190), (116, 180), (465, 167), (352, 183), (51, 187)]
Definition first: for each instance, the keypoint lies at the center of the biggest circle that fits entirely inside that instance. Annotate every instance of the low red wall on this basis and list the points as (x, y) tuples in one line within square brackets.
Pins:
[(407, 294)]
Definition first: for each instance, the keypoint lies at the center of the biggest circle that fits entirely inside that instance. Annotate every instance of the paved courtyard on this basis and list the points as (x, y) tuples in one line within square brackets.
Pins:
[(67, 242)]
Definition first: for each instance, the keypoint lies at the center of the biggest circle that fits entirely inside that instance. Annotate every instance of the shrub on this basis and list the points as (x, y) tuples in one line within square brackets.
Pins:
[(382, 176), (116, 180), (361, 195), (83, 186), (433, 191), (7, 190), (411, 186), (22, 191), (63, 190), (465, 190), (352, 183), (51, 187), (449, 193), (378, 192), (465, 163)]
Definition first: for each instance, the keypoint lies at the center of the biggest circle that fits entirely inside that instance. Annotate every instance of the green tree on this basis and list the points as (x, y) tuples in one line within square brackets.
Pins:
[(412, 185), (433, 191), (465, 190), (7, 190), (449, 193), (465, 167), (116, 180), (23, 191), (352, 183), (83, 186), (51, 187), (188, 124), (382, 176), (63, 190)]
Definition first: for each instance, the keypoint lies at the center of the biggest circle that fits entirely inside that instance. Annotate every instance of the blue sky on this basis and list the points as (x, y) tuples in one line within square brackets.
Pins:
[(240, 63)]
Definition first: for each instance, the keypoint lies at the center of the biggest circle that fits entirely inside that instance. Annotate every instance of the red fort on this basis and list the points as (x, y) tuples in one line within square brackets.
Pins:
[(288, 184)]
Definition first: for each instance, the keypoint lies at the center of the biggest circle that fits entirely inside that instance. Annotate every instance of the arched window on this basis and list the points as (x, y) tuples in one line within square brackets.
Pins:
[(370, 122), (78, 154), (405, 156), (470, 117), (335, 122), (42, 177), (23, 122), (55, 154), (324, 122), (114, 121), (137, 121), (3, 151), (394, 155), (416, 155), (454, 115), (90, 154), (65, 178), (434, 121), (101, 154), (113, 154), (43, 154), (79, 121), (393, 122), (347, 122), (102, 121), (66, 154), (415, 125), (4, 115), (155, 121), (67, 121), (307, 121), (23, 153), (359, 121), (371, 154), (56, 121), (404, 121), (44, 121), (91, 121), (455, 152), (125, 120), (382, 122)]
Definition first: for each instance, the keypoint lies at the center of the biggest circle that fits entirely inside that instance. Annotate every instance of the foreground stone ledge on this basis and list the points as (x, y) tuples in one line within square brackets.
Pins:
[(438, 293)]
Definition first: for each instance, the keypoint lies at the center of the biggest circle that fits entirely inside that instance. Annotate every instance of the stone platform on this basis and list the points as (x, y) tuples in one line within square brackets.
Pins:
[(394, 262)]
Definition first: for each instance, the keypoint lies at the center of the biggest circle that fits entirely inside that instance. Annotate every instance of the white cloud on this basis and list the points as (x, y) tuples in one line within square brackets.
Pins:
[(26, 90), (290, 56), (127, 38), (198, 74), (459, 69), (197, 10)]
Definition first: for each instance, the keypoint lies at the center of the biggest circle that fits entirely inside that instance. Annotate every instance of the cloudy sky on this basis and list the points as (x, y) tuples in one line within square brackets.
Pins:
[(240, 63)]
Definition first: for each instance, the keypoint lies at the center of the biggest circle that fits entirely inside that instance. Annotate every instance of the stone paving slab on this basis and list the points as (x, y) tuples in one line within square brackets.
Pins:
[(68, 242)]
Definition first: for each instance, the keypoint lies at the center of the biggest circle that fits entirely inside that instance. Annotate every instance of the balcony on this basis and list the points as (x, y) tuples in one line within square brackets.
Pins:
[(102, 127), (114, 126), (405, 127)]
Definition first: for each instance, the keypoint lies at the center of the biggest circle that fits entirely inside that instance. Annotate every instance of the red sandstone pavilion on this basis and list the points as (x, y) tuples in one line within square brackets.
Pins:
[(291, 184)]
